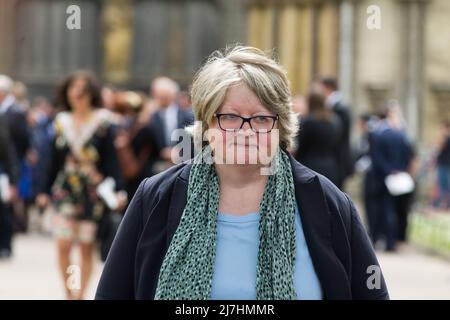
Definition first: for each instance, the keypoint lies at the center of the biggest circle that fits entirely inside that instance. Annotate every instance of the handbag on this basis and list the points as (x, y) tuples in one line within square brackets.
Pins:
[(399, 183)]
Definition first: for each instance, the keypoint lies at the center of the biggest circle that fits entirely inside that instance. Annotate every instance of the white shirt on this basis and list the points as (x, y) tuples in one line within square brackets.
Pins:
[(170, 121), (333, 98)]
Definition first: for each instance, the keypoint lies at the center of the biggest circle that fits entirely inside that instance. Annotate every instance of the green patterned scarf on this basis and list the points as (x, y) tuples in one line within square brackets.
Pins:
[(188, 266)]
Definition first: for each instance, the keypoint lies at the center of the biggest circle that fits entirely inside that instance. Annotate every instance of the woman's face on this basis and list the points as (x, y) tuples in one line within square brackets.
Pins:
[(243, 146), (77, 91)]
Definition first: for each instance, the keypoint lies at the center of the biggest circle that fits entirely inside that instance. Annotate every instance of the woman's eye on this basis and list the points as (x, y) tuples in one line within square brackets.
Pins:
[(261, 119), (229, 117)]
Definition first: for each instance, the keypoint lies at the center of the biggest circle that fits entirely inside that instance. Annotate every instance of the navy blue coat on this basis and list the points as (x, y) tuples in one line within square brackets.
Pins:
[(338, 243), (390, 151)]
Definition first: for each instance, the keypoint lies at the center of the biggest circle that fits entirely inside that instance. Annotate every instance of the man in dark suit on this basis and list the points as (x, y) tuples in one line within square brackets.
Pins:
[(168, 118), (14, 118), (8, 168), (17, 127), (329, 87), (390, 152)]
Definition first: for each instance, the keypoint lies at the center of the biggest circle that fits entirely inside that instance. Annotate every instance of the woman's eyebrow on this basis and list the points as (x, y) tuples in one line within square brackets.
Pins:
[(263, 113), (237, 111), (229, 109)]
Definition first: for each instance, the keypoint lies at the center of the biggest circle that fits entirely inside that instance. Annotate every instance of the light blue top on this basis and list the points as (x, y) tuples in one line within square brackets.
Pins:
[(234, 275)]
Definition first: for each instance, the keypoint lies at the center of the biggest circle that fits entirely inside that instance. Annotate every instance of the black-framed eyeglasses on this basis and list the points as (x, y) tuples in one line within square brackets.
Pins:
[(233, 122)]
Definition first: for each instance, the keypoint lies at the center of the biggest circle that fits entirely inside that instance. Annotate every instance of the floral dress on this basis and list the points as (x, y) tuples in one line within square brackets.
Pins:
[(80, 162)]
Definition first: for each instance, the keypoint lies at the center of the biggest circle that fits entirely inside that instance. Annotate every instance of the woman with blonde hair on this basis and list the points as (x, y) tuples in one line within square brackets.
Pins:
[(230, 224)]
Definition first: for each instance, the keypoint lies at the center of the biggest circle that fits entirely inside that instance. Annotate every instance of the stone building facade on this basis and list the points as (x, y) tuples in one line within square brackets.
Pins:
[(128, 42)]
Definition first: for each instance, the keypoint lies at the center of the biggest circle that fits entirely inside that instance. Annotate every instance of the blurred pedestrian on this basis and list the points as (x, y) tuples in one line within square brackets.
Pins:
[(25, 186), (366, 124), (319, 138), (40, 119), (442, 200), (15, 123), (391, 153), (20, 93), (134, 140), (9, 175), (108, 98), (83, 157), (184, 100), (330, 88), (165, 121), (15, 118)]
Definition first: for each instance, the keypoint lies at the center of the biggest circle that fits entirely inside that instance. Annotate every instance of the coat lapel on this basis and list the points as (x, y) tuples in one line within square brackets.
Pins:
[(317, 229)]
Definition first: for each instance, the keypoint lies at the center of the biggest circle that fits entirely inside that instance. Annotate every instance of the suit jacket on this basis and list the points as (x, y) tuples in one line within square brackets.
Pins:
[(18, 129), (319, 145), (8, 158), (338, 243), (158, 133), (157, 125), (345, 158), (390, 150)]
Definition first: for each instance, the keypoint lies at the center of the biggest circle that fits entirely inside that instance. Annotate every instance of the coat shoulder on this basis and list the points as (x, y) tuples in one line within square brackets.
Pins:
[(338, 202), (332, 193), (303, 174), (161, 183)]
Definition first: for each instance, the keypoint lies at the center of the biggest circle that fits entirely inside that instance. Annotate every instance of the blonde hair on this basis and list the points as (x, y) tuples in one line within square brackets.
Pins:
[(251, 66)]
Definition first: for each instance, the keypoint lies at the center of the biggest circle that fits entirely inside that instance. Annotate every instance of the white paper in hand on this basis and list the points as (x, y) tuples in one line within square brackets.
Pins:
[(399, 183), (106, 191)]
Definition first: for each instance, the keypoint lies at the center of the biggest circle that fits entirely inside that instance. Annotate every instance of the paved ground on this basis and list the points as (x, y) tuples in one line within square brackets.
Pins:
[(33, 273), (413, 274)]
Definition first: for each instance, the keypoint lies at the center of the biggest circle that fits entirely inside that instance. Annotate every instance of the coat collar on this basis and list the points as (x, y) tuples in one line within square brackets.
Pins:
[(316, 223)]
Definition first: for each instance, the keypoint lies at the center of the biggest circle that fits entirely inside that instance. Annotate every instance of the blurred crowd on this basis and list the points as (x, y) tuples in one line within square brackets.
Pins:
[(85, 151)]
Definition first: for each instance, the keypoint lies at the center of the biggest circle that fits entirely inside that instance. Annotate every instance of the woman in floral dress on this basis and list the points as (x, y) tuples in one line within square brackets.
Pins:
[(83, 156)]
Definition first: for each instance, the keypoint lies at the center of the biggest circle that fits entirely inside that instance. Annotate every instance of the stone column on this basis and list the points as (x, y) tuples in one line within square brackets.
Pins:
[(346, 50), (234, 21), (288, 42), (305, 48), (412, 60), (117, 22), (327, 37), (57, 35), (261, 24), (175, 54), (7, 41)]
